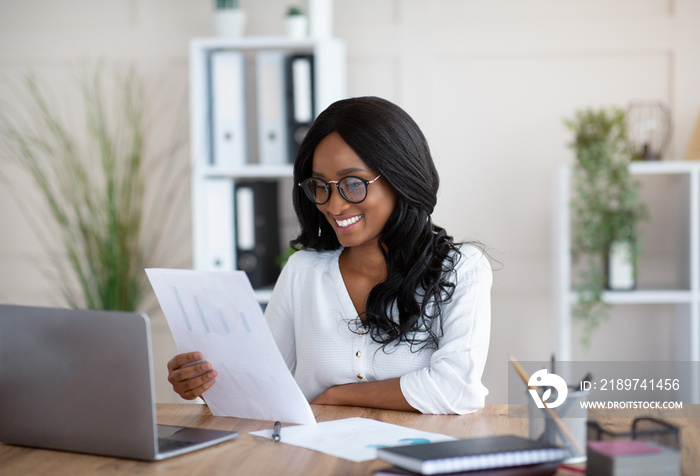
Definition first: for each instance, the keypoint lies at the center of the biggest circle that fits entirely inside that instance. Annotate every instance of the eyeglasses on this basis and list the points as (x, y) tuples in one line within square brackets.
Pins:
[(352, 189)]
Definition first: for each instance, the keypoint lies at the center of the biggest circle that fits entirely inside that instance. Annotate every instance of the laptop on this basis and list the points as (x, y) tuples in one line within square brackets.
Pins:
[(82, 381)]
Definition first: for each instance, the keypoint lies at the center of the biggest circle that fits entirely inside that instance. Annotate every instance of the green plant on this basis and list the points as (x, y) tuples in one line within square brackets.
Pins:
[(226, 4), (605, 207), (294, 11), (282, 259), (92, 179)]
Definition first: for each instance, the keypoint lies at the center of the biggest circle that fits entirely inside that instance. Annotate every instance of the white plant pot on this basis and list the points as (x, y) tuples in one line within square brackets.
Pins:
[(297, 26), (620, 266), (229, 23)]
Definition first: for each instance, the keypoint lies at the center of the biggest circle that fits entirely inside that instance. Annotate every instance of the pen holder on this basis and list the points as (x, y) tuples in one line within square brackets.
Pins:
[(569, 432)]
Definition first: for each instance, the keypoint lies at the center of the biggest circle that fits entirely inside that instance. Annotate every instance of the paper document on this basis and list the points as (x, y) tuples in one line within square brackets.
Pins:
[(216, 313), (355, 439)]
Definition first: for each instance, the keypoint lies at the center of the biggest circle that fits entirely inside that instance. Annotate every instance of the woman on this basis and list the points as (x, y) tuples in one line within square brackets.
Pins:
[(380, 308)]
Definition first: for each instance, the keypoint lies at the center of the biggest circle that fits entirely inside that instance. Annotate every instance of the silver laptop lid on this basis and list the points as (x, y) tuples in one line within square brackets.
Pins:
[(77, 380)]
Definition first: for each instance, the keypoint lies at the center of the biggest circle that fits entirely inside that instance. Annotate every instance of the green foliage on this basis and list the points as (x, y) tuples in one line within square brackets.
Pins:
[(294, 11), (605, 207), (93, 182), (281, 260), (226, 4)]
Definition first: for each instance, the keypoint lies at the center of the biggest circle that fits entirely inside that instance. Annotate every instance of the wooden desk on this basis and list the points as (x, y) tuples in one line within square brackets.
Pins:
[(257, 456)]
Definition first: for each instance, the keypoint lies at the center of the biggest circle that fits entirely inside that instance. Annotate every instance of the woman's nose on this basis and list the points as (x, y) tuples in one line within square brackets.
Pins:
[(336, 203)]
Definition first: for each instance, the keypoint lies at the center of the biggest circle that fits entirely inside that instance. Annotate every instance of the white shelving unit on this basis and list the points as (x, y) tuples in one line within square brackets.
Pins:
[(686, 299), (329, 85)]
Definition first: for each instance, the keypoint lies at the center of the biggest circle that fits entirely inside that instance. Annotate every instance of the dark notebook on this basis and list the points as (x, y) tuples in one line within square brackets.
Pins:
[(541, 469), (471, 454)]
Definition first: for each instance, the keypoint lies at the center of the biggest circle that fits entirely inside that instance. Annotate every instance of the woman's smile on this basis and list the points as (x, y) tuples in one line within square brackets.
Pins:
[(345, 224)]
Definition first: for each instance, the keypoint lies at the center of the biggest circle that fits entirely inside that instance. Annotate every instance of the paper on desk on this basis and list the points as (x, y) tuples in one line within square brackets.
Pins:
[(216, 313), (356, 439)]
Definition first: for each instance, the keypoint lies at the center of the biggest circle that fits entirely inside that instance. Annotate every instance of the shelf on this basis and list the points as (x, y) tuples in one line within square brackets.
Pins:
[(263, 295), (644, 296), (257, 42), (235, 223), (688, 327), (248, 171), (664, 167)]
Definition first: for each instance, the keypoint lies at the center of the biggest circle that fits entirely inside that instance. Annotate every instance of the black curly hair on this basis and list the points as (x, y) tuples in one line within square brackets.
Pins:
[(420, 256)]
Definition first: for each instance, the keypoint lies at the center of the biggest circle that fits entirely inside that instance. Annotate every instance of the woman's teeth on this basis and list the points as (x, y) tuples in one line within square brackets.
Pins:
[(349, 221)]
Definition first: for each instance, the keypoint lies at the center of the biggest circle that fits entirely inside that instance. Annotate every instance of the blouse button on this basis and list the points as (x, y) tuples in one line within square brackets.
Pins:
[(359, 377), (358, 353)]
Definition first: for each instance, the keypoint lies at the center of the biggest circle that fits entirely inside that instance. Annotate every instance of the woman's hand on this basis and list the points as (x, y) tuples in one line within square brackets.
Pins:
[(189, 379)]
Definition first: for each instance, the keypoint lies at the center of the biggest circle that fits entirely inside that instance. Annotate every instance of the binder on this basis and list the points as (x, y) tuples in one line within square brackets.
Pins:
[(228, 108), (257, 233), (271, 108), (218, 239), (300, 99)]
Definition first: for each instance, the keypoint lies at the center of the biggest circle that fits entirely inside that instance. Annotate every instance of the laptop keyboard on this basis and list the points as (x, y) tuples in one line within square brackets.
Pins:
[(166, 444)]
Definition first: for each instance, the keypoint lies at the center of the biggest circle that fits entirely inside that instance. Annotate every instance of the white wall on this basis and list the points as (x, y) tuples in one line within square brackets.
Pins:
[(54, 39), (489, 82)]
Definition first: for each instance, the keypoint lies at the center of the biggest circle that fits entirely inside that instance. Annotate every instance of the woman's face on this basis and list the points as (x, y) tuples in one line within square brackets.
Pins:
[(355, 224)]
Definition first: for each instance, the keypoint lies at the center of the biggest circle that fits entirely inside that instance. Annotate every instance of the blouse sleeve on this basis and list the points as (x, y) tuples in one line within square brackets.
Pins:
[(280, 315), (452, 382)]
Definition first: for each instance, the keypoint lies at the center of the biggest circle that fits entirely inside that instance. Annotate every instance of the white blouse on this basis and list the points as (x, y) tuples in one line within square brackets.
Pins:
[(315, 325)]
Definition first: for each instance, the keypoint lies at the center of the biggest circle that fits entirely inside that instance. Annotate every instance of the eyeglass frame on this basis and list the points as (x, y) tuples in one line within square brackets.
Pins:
[(337, 185)]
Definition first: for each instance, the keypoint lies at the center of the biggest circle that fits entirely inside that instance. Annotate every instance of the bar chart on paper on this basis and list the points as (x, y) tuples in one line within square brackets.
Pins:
[(216, 313)]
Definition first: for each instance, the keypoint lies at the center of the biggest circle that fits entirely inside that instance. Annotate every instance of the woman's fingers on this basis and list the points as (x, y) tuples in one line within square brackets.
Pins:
[(195, 387), (188, 372), (189, 375), (183, 359)]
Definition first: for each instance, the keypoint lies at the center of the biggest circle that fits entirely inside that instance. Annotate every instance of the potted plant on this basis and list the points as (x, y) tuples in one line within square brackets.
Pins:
[(296, 23), (102, 224), (228, 19), (606, 212)]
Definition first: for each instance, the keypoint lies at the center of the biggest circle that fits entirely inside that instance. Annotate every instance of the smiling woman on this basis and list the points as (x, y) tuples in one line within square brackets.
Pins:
[(381, 308), (360, 221)]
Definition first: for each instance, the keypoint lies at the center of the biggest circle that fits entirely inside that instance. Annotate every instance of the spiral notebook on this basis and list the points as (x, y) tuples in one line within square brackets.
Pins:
[(540, 469), (471, 454)]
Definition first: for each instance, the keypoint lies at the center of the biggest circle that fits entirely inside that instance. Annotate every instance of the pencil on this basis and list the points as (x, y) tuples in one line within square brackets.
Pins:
[(553, 415)]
